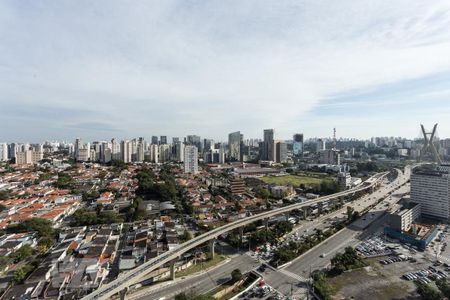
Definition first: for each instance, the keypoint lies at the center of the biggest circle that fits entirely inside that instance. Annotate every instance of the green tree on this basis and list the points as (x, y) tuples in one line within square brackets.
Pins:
[(42, 226), (236, 275), (428, 292), (186, 236), (444, 287), (44, 244), (22, 273), (283, 227), (22, 253)]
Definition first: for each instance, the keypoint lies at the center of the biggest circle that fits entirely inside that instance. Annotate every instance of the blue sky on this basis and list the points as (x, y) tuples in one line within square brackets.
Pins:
[(117, 69)]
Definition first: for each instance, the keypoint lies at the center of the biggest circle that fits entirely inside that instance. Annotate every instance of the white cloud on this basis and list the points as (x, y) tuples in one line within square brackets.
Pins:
[(174, 67)]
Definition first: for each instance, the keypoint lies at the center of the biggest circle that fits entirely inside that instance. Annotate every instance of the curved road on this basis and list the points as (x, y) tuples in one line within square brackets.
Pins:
[(135, 276)]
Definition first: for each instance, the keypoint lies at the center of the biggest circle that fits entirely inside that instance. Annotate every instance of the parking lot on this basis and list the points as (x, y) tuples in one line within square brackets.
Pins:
[(374, 247)]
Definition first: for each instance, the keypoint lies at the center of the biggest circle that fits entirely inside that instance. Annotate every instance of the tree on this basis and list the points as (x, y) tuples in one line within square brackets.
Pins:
[(444, 287), (4, 262), (263, 193), (186, 236), (22, 273), (346, 261), (44, 244), (283, 227), (350, 211), (22, 253), (428, 292), (236, 275), (42, 226)]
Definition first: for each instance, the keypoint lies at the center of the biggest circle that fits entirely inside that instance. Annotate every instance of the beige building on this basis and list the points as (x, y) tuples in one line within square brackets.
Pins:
[(29, 157)]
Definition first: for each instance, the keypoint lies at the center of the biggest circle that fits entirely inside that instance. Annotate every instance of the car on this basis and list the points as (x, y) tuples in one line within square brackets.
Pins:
[(323, 255)]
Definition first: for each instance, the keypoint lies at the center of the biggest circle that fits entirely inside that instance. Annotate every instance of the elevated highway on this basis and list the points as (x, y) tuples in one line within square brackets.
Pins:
[(124, 281)]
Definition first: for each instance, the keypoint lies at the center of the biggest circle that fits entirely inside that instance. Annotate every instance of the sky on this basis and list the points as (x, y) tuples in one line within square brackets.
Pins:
[(123, 69)]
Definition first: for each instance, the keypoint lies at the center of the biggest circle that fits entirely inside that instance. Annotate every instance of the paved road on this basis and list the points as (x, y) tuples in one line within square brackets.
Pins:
[(349, 236), (286, 282), (202, 283)]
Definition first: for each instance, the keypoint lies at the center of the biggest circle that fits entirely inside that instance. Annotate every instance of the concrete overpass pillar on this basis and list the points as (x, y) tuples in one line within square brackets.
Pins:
[(286, 215), (211, 247), (123, 294), (266, 223), (172, 269)]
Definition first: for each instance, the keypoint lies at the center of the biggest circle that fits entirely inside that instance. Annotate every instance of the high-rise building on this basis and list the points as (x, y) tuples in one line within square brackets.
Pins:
[(154, 140), (163, 140), (431, 188), (320, 145), (164, 153), (154, 153), (281, 152), (126, 151), (191, 159), (234, 146), (194, 140), (268, 150), (297, 147), (208, 144), (77, 147), (179, 151), (140, 153), (3, 152)]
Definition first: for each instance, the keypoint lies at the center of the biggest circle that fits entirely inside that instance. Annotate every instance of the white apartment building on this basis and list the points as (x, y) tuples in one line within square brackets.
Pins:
[(432, 190), (3, 152), (126, 151), (191, 159)]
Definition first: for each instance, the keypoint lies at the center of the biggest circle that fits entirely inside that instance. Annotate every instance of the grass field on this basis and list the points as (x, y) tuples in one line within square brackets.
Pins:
[(293, 180)]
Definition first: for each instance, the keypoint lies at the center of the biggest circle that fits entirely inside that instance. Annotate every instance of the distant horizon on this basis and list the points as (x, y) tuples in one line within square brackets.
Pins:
[(169, 138), (102, 68)]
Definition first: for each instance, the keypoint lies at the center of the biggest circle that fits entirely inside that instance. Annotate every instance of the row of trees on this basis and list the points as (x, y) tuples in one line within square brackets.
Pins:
[(270, 235), (83, 217)]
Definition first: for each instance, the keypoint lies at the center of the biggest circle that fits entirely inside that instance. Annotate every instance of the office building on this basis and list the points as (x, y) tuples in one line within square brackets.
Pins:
[(179, 151), (3, 152), (431, 189), (330, 157), (163, 140), (194, 140), (297, 146), (281, 152), (267, 152), (154, 140), (320, 145), (191, 159), (234, 146)]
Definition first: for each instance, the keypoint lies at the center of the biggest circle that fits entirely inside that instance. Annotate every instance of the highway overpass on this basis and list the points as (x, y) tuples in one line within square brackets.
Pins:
[(125, 280)]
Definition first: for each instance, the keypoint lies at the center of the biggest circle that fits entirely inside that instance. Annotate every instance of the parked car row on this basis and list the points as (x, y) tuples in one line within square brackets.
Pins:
[(373, 247), (394, 259), (426, 275)]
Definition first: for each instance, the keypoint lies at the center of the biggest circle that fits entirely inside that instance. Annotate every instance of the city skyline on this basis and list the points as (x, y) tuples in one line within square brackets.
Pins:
[(177, 68)]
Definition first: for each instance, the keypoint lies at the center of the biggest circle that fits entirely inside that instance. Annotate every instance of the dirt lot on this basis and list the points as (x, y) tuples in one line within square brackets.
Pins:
[(377, 281)]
